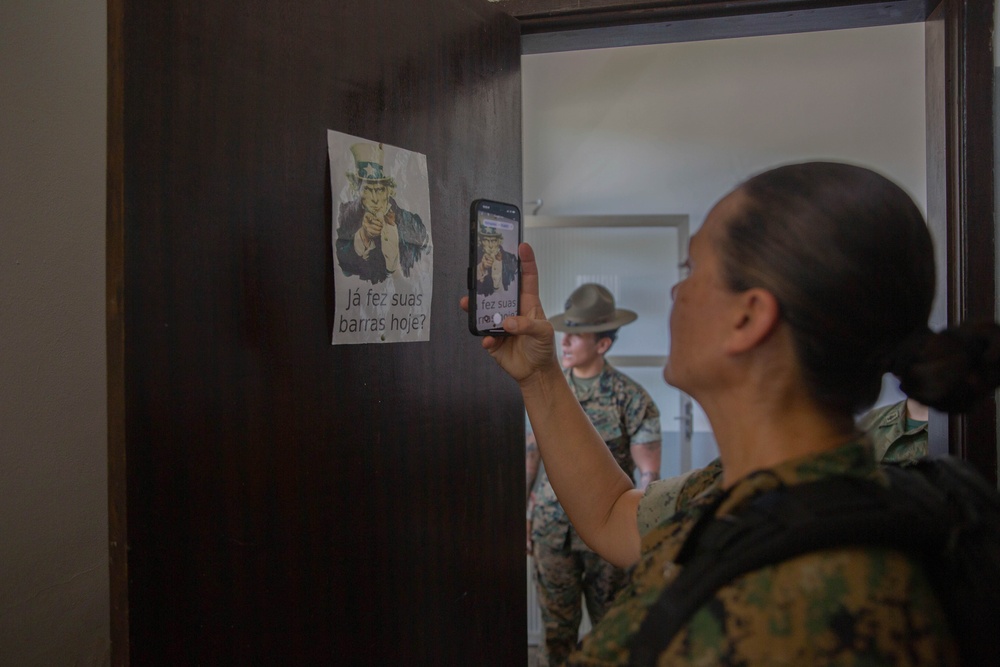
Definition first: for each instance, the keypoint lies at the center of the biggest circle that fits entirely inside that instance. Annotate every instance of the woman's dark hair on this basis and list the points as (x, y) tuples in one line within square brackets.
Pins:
[(849, 258), (612, 335)]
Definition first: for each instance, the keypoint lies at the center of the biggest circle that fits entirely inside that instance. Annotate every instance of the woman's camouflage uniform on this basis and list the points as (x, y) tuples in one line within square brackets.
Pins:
[(891, 440), (857, 606)]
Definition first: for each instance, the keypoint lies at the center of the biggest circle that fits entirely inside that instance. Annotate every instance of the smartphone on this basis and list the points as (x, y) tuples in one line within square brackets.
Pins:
[(495, 232)]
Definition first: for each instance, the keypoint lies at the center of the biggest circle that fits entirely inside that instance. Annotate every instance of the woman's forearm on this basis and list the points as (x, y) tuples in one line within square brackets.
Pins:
[(597, 495)]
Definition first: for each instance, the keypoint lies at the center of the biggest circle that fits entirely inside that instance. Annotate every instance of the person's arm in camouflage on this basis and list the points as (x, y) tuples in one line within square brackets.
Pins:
[(531, 459), (647, 459)]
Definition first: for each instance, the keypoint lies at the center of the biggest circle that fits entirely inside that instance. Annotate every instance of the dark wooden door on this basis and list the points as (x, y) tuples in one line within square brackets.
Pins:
[(276, 500)]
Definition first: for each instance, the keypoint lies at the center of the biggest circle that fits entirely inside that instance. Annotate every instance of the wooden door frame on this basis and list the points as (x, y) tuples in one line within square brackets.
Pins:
[(960, 135), (115, 336)]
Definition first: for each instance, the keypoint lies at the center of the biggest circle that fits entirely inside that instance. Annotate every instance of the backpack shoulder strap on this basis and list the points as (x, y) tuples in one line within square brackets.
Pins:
[(965, 571), (781, 524)]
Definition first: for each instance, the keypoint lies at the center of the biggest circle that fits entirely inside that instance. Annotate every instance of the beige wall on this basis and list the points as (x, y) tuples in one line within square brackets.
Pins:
[(53, 423)]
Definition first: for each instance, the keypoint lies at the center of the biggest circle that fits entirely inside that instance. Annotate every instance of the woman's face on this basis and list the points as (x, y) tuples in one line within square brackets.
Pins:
[(579, 350), (703, 307)]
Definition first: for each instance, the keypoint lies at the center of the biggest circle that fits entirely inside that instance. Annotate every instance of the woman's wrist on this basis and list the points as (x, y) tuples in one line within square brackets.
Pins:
[(540, 383)]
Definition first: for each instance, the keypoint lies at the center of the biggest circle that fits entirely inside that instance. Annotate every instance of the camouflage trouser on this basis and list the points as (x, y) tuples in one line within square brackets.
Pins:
[(563, 575)]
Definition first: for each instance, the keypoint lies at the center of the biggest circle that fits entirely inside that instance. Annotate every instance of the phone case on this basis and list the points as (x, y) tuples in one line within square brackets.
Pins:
[(494, 277)]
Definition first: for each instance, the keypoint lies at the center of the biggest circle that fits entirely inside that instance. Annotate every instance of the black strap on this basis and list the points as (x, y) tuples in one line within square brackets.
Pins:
[(787, 522)]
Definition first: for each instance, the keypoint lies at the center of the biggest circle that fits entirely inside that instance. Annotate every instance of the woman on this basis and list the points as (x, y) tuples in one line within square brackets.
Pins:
[(806, 284)]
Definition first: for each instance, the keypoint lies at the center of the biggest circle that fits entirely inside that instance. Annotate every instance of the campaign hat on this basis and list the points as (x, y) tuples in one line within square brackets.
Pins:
[(591, 309)]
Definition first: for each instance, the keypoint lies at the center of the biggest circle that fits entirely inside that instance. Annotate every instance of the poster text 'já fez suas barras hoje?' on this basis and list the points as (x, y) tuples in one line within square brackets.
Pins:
[(382, 251)]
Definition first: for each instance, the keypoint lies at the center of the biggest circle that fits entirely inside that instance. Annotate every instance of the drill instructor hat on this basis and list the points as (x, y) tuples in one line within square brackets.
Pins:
[(591, 309)]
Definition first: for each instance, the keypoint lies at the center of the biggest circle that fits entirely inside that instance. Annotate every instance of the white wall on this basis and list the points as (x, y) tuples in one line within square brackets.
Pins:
[(671, 128), (54, 607)]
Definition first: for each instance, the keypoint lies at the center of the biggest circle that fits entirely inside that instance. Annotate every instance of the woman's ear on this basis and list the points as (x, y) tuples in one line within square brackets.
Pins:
[(756, 315), (603, 345)]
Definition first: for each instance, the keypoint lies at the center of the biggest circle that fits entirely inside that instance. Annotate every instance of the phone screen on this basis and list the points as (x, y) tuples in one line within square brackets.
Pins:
[(496, 271)]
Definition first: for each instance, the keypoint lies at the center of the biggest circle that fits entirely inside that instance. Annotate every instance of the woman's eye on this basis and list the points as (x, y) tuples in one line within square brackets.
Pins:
[(685, 265)]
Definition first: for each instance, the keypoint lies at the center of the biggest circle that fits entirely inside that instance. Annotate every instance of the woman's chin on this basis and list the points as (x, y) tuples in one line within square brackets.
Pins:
[(670, 377)]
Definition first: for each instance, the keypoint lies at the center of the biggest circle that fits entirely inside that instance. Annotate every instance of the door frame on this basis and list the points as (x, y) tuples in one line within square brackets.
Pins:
[(960, 134)]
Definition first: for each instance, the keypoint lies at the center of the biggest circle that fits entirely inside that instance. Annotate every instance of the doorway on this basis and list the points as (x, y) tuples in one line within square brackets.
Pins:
[(574, 166), (668, 128), (958, 60)]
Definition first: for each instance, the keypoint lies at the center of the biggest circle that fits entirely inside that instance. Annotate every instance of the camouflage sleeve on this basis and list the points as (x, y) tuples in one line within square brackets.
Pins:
[(665, 497), (660, 502), (642, 418), (699, 482)]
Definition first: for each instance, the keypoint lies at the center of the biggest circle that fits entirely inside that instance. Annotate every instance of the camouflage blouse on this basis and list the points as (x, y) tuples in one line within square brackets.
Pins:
[(665, 496), (892, 437), (887, 428), (852, 606)]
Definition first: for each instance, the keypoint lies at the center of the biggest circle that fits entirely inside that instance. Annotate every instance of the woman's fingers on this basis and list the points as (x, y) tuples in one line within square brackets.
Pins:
[(530, 345), (531, 304)]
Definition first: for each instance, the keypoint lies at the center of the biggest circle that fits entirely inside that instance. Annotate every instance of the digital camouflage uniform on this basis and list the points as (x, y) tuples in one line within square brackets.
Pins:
[(852, 606), (891, 441), (664, 496), (624, 415)]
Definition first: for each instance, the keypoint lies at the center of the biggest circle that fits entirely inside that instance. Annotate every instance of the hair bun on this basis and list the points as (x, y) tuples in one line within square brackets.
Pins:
[(952, 369)]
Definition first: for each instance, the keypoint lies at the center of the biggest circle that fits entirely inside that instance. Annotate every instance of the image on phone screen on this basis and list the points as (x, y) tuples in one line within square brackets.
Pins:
[(495, 267)]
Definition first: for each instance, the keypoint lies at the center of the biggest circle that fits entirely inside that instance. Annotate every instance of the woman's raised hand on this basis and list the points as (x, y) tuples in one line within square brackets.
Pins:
[(530, 347)]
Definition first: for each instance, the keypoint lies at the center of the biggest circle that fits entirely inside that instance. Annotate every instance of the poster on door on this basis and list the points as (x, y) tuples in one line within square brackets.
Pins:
[(382, 251)]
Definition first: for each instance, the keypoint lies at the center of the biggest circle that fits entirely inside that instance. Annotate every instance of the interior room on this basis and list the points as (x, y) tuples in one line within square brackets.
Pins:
[(182, 480)]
